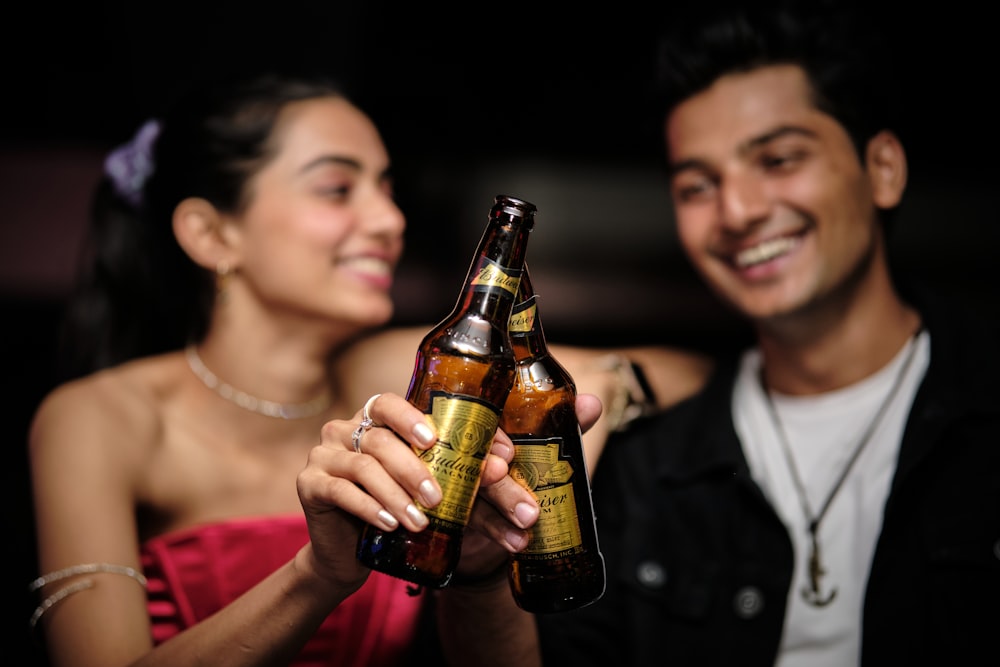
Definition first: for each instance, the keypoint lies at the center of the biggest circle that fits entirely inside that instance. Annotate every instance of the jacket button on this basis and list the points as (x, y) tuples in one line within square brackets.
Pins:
[(748, 602), (651, 574)]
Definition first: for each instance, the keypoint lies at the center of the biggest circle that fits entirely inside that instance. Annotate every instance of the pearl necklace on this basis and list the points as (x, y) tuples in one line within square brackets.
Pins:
[(252, 403)]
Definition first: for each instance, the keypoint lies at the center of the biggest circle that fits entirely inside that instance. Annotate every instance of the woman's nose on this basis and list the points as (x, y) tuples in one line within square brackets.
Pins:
[(386, 215)]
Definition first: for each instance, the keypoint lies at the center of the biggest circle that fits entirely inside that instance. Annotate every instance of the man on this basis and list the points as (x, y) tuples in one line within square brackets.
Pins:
[(833, 496)]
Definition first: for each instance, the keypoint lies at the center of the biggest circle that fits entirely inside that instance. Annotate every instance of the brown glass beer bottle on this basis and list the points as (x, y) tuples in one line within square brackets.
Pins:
[(463, 372), (562, 567)]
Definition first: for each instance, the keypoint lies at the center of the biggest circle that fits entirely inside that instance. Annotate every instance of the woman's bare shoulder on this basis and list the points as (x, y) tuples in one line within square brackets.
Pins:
[(107, 407), (377, 362)]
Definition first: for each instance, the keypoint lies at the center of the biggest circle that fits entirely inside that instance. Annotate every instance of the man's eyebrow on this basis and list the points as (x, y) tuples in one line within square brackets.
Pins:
[(684, 165), (776, 133), (746, 147)]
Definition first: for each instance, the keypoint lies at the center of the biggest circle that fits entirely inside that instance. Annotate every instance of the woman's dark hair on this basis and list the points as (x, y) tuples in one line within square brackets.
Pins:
[(840, 48), (138, 293)]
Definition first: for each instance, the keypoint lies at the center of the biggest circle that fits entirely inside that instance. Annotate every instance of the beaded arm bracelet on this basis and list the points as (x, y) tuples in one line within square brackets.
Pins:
[(83, 584), (633, 397)]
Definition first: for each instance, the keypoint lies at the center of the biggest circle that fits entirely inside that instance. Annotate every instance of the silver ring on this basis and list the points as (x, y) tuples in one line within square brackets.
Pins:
[(366, 424), (364, 412)]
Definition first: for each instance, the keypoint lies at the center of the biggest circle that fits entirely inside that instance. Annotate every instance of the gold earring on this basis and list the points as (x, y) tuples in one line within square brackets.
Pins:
[(222, 275)]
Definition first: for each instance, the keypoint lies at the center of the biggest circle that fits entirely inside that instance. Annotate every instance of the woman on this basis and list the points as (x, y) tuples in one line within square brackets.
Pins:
[(239, 247)]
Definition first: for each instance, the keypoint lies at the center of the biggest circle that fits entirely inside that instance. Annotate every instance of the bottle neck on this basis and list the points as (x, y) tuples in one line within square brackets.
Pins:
[(526, 335), (492, 282)]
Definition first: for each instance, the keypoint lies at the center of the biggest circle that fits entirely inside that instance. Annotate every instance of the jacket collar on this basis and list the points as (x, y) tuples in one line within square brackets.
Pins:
[(962, 377)]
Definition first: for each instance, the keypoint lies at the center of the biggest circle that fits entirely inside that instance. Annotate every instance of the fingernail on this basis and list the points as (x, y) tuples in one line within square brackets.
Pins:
[(416, 515), (526, 513), (424, 433), (388, 519), (429, 495), (502, 449), (516, 539)]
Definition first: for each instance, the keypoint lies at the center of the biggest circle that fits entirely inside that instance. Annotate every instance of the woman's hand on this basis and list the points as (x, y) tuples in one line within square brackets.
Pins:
[(377, 484), (500, 526), (340, 488)]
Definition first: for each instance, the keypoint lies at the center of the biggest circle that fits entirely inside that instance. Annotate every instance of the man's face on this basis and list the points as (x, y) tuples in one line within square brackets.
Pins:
[(773, 205)]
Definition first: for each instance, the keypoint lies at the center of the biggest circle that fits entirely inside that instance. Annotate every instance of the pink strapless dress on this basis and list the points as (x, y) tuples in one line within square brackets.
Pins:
[(195, 572)]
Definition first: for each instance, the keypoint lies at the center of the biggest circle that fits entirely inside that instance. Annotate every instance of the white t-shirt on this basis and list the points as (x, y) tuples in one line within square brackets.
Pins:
[(823, 431)]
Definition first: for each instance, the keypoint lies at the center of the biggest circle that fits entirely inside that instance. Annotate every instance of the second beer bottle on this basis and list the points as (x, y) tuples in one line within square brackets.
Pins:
[(562, 567), (463, 372)]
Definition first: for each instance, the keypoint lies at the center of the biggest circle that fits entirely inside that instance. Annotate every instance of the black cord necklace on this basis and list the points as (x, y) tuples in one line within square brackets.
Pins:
[(811, 593)]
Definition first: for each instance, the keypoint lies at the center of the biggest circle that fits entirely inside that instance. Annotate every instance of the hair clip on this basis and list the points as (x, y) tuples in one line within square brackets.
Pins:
[(131, 164)]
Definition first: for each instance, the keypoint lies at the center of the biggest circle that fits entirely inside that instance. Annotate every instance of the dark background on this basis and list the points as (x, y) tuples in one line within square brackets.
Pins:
[(476, 101), (548, 106)]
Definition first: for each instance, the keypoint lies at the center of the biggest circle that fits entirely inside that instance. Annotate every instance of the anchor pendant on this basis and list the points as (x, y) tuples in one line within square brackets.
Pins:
[(811, 593)]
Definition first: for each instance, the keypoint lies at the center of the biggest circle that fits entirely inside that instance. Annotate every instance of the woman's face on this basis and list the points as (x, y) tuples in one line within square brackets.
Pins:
[(321, 235)]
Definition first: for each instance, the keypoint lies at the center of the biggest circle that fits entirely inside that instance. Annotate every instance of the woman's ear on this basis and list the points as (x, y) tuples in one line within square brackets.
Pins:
[(885, 160), (200, 231)]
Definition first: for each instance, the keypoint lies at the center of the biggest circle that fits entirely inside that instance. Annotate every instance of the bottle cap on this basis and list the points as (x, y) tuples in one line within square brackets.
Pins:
[(513, 206)]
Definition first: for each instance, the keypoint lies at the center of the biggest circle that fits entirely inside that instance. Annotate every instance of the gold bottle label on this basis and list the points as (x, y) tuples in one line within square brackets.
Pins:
[(522, 320), (538, 468), (491, 274), (465, 427)]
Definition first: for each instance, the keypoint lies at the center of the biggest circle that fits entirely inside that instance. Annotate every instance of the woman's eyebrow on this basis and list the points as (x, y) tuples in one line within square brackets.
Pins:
[(335, 159)]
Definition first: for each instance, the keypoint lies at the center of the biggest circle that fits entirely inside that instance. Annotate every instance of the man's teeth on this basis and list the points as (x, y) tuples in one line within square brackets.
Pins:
[(765, 251)]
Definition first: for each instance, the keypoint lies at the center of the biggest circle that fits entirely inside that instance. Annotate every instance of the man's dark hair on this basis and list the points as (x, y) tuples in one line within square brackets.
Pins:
[(840, 48)]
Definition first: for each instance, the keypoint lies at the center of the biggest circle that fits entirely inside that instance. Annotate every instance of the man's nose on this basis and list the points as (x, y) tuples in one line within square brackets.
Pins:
[(743, 201)]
